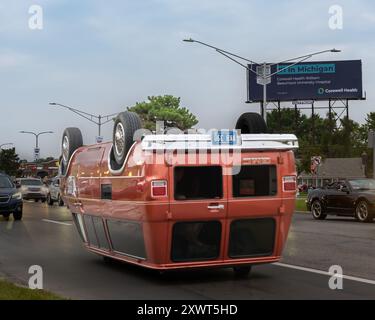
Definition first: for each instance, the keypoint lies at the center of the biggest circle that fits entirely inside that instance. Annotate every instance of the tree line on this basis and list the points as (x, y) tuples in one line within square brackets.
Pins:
[(317, 136), (324, 137)]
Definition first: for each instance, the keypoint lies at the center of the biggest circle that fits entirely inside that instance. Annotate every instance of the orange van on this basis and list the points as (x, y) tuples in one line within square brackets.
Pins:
[(176, 201)]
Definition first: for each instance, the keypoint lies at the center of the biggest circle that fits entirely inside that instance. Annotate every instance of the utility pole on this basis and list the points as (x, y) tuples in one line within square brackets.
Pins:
[(96, 119), (263, 71), (36, 135)]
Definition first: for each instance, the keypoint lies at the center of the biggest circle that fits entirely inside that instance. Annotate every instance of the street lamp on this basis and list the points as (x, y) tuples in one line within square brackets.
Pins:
[(263, 71), (36, 150), (97, 119), (5, 144)]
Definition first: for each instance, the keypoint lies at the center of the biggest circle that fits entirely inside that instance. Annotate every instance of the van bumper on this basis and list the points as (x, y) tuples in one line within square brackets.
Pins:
[(187, 265)]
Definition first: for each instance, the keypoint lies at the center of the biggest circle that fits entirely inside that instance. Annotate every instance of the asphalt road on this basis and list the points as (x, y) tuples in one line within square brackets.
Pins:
[(75, 273)]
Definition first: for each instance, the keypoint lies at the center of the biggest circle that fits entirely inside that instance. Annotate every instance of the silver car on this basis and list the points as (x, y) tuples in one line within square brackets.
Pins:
[(32, 189), (54, 192)]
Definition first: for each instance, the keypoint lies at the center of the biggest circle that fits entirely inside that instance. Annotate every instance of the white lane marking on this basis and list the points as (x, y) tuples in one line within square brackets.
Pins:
[(57, 222), (290, 266)]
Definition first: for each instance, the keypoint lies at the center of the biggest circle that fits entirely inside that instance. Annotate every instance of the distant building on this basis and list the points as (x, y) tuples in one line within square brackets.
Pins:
[(333, 169), (42, 169)]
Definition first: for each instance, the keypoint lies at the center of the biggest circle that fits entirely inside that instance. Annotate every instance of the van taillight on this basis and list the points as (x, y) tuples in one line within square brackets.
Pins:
[(289, 183), (159, 188)]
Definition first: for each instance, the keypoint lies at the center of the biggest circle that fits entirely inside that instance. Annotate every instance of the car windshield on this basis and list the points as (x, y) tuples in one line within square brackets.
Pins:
[(31, 182), (363, 184), (5, 182)]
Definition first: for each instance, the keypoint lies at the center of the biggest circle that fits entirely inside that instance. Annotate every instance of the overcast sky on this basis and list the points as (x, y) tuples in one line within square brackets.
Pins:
[(102, 56)]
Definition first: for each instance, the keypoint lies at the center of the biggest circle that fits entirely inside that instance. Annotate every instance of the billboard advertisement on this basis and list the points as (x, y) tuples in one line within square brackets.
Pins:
[(317, 80)]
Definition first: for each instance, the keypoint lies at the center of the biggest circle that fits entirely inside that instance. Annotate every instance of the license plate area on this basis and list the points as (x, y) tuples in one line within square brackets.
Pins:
[(224, 137)]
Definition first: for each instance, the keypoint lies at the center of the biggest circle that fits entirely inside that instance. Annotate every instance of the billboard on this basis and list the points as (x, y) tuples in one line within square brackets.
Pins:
[(317, 80)]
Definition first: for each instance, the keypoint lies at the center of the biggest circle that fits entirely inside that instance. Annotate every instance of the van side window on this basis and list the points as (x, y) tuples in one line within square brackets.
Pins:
[(255, 181), (204, 182)]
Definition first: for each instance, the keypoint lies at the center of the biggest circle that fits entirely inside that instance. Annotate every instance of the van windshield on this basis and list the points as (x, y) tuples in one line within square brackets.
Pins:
[(203, 182)]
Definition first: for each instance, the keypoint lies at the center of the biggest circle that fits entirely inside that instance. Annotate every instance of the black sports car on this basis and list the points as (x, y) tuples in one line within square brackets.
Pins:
[(351, 197)]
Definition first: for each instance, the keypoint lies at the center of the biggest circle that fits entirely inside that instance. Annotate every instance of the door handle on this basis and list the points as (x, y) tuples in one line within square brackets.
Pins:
[(216, 207)]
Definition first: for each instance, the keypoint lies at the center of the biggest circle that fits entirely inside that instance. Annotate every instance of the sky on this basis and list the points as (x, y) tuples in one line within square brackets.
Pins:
[(103, 56)]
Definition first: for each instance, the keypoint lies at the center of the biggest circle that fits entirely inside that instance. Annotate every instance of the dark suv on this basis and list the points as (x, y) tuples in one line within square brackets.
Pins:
[(10, 198)]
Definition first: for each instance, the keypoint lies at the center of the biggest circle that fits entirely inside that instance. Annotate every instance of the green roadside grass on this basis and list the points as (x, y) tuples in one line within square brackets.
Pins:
[(301, 204), (10, 291)]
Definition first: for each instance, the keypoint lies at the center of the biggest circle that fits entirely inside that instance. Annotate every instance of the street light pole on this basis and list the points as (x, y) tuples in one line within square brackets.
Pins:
[(36, 135), (264, 109), (263, 77), (96, 119)]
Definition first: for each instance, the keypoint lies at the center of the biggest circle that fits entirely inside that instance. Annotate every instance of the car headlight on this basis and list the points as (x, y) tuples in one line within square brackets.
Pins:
[(17, 196)]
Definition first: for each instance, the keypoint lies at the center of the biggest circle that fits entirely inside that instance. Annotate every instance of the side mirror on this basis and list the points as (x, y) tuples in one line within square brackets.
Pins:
[(17, 185)]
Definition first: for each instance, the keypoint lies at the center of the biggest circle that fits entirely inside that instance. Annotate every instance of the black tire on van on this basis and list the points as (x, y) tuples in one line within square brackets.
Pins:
[(71, 141), (126, 124), (251, 122)]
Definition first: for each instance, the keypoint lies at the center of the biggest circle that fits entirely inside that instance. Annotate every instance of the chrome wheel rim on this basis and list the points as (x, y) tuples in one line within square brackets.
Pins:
[(65, 149), (119, 139), (362, 211), (316, 209)]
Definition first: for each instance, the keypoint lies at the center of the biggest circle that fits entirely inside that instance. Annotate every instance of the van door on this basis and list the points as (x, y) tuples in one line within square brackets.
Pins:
[(254, 202), (198, 209)]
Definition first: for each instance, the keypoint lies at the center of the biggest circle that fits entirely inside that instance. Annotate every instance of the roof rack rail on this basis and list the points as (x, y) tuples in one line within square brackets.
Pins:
[(204, 142)]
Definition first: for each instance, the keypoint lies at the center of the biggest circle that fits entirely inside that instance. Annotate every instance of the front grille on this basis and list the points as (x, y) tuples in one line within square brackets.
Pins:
[(252, 237), (4, 199), (34, 189), (192, 241)]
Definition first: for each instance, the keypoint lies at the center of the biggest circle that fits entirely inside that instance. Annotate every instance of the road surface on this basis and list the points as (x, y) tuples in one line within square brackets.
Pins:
[(47, 237)]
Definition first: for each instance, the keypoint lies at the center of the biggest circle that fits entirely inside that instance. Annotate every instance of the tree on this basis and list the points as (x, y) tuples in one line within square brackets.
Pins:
[(41, 160), (9, 161), (322, 136), (164, 108), (370, 121)]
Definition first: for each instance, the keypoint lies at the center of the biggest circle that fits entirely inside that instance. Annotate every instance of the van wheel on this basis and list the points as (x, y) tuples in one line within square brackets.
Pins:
[(251, 122), (71, 141), (242, 272), (126, 124)]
